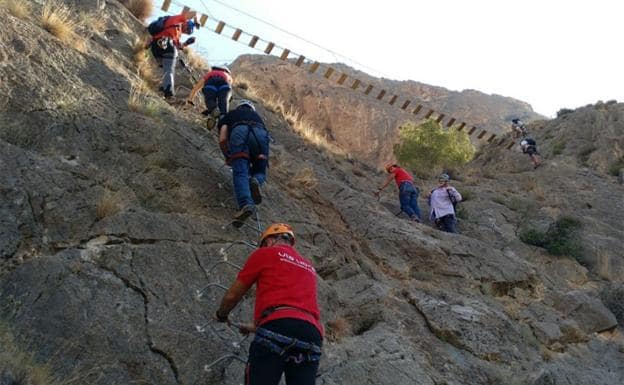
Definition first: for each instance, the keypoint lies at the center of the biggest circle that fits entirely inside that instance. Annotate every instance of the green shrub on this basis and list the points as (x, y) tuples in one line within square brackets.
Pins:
[(559, 239), (533, 237), (558, 148), (585, 153), (564, 111), (615, 167), (429, 147), (462, 213), (613, 298)]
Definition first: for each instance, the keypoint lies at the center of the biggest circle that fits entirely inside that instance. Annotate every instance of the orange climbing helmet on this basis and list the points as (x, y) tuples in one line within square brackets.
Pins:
[(389, 165), (276, 229)]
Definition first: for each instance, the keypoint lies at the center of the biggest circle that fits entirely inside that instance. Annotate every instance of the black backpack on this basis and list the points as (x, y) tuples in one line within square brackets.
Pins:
[(157, 26)]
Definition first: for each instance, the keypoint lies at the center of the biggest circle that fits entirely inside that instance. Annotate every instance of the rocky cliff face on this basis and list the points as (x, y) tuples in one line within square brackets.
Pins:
[(362, 125), (113, 221)]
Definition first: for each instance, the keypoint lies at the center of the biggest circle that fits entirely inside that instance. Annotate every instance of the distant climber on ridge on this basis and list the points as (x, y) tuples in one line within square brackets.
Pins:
[(216, 85), (408, 193), (442, 201), (164, 43), (288, 332), (244, 141), (518, 129), (529, 147)]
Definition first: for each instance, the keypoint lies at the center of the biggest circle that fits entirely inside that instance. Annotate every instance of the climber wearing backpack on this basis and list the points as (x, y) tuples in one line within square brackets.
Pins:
[(164, 43), (442, 202), (529, 147), (216, 86), (408, 193), (287, 327), (518, 129), (244, 142)]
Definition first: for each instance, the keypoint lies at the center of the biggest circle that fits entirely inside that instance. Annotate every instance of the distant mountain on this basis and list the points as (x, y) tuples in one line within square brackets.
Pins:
[(362, 125)]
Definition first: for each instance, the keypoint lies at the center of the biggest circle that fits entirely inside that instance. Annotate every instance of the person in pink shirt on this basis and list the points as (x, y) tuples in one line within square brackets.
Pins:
[(442, 201), (408, 193)]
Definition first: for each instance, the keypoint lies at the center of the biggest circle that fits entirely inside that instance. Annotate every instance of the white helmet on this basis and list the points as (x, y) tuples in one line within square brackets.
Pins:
[(222, 68), (247, 103)]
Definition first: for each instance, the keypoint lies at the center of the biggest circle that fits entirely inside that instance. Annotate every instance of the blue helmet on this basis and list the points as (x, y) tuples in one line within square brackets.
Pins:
[(190, 27)]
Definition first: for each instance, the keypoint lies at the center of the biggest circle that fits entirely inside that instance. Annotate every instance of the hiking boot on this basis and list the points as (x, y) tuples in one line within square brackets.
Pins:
[(254, 186), (243, 214), (210, 123)]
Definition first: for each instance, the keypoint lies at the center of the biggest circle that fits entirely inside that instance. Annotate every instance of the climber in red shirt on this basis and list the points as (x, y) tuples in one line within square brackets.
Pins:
[(408, 193), (165, 44), (288, 332), (216, 85)]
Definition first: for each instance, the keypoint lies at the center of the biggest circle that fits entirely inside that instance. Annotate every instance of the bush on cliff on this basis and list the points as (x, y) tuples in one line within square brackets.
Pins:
[(559, 239), (428, 148)]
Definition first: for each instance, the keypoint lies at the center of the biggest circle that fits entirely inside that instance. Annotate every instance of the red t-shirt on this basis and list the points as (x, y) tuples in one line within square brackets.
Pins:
[(282, 277), (401, 176), (220, 74), (173, 29)]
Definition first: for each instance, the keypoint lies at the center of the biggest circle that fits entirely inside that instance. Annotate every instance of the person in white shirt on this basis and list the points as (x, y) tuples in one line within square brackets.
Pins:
[(442, 201)]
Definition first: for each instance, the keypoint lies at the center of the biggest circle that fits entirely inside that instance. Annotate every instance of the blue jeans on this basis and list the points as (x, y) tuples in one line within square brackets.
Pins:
[(448, 223), (217, 91), (408, 196), (246, 145)]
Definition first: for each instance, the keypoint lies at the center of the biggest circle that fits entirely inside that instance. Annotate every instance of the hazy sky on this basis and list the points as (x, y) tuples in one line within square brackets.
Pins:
[(550, 53)]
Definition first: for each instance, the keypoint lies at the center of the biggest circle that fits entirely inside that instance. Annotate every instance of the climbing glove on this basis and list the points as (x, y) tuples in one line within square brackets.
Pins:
[(220, 317), (189, 41)]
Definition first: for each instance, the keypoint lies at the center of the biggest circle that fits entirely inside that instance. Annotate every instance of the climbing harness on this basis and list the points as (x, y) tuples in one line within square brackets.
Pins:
[(282, 346)]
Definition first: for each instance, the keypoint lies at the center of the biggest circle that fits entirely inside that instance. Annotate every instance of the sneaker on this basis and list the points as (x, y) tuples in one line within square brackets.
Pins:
[(254, 186), (243, 214)]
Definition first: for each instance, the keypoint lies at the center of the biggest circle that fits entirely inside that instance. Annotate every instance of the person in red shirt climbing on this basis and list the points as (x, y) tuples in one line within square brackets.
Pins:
[(216, 86), (164, 43), (287, 327), (408, 193)]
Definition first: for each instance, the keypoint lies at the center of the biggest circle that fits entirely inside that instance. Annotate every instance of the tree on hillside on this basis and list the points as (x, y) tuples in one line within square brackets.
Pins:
[(427, 147)]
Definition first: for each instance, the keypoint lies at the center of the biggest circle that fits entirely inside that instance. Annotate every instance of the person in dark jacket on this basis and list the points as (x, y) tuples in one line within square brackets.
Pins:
[(244, 141), (528, 146)]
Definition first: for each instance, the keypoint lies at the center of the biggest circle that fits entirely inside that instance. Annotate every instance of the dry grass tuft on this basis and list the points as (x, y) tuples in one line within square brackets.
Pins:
[(139, 101), (19, 365), (141, 9), (56, 18), (144, 62), (195, 60), (305, 178), (17, 8), (338, 329), (92, 22), (109, 204)]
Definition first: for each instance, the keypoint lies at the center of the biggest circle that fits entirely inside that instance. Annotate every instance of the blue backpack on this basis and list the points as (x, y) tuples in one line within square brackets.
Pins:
[(157, 26)]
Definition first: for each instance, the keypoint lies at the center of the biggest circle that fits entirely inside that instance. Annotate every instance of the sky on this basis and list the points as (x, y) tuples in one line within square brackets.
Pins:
[(551, 54)]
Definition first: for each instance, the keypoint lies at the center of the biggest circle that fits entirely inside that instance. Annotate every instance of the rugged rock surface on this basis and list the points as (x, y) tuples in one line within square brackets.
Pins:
[(362, 125), (112, 220)]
